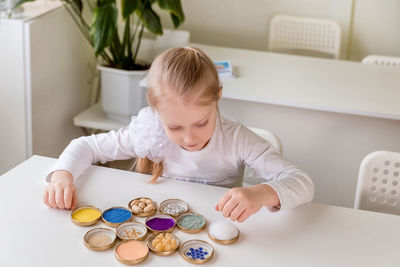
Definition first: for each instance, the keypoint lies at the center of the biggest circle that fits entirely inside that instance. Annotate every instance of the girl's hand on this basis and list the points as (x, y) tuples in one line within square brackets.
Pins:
[(61, 193), (240, 203)]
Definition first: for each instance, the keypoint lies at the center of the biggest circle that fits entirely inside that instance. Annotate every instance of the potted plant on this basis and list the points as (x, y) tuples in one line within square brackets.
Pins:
[(118, 47)]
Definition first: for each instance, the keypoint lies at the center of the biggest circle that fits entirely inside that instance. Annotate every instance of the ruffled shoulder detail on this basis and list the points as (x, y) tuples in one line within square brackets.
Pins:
[(149, 137)]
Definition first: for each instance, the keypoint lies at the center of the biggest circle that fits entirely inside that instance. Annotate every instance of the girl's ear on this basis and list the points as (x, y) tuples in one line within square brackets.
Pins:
[(220, 93)]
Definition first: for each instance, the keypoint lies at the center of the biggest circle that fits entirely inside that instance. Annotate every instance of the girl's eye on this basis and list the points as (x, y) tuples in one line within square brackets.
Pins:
[(174, 128), (202, 124)]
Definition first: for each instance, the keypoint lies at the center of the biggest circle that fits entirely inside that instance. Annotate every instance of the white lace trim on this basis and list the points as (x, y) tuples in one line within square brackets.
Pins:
[(149, 137)]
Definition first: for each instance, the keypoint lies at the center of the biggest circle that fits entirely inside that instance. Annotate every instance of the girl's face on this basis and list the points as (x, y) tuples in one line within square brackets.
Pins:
[(186, 124)]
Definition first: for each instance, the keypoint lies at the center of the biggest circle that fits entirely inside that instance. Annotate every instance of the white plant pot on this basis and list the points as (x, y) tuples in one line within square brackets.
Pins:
[(122, 97)]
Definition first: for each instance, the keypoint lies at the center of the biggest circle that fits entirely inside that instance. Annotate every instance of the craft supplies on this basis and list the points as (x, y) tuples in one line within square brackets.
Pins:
[(191, 222), (85, 216), (174, 207), (131, 230), (99, 239), (142, 206), (160, 223), (163, 243), (131, 252), (223, 232), (197, 251), (115, 216)]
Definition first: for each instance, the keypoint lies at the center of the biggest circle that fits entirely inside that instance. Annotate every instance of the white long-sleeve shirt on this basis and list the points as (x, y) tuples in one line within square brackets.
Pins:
[(219, 163)]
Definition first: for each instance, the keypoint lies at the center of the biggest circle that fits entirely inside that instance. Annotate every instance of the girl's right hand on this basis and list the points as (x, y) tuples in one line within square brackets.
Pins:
[(60, 192)]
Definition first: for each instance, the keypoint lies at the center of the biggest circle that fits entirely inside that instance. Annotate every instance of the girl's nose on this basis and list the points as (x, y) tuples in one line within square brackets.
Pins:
[(189, 138)]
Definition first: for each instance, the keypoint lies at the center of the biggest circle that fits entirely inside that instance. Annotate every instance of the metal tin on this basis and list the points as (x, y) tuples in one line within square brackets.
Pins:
[(122, 231), (142, 214), (190, 230), (92, 222), (162, 253), (224, 242), (161, 216), (115, 224), (191, 245), (164, 206), (103, 244), (130, 262), (222, 232)]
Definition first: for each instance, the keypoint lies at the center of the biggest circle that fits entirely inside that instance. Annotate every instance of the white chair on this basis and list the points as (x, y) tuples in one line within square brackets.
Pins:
[(171, 39), (382, 61), (304, 35), (378, 183), (250, 176)]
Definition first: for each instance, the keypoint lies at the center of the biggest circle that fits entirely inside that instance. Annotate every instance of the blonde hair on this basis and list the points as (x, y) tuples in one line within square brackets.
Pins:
[(189, 73)]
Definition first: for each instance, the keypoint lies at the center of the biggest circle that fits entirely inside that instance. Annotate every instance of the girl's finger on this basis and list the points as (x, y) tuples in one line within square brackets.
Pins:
[(225, 198), (74, 200), (60, 197), (46, 197), (68, 195), (236, 212), (244, 216), (229, 207), (52, 200)]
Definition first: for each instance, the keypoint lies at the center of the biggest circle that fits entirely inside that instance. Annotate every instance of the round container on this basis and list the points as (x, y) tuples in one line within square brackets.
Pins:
[(131, 252), (174, 207), (160, 223), (115, 216), (99, 239), (223, 232), (197, 251), (162, 252), (191, 222), (131, 231), (147, 202), (86, 216)]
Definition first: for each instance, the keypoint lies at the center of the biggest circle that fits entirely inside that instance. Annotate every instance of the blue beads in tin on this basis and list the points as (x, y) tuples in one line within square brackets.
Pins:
[(197, 253)]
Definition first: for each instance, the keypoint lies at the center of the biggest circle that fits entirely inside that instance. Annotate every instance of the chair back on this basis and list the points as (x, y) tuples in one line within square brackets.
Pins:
[(378, 183), (382, 61), (250, 177), (294, 34)]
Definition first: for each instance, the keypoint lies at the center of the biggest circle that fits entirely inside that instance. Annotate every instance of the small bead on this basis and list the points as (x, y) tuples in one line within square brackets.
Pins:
[(205, 252)]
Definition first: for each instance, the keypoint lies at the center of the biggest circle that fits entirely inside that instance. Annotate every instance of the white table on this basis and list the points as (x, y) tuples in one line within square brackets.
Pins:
[(32, 234), (311, 83)]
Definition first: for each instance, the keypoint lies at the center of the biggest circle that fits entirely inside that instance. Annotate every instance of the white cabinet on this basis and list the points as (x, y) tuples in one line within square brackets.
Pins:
[(46, 69)]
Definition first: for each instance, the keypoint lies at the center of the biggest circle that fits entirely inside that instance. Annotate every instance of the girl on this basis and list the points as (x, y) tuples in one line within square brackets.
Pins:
[(182, 136)]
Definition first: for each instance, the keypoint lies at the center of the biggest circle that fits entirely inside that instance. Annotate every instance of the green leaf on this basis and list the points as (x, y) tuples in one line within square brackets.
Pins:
[(150, 19), (105, 2), (175, 8), (20, 2), (104, 26), (128, 7), (175, 20)]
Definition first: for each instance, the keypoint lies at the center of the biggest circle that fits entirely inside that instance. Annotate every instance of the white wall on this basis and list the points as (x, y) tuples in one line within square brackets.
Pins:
[(62, 68), (12, 97), (45, 80), (244, 24), (376, 28)]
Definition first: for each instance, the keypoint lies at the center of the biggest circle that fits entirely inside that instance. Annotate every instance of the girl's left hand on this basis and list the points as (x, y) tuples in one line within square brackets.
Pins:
[(240, 203)]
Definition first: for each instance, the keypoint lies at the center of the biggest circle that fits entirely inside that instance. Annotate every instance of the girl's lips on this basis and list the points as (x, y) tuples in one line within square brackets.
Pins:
[(191, 145)]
